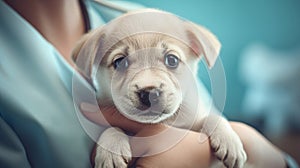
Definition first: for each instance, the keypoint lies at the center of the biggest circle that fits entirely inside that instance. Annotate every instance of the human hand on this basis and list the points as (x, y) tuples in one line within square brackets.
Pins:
[(185, 149), (188, 152), (109, 116), (171, 149)]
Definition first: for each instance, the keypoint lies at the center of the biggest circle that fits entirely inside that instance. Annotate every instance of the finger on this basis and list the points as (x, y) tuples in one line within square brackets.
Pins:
[(93, 113), (109, 116)]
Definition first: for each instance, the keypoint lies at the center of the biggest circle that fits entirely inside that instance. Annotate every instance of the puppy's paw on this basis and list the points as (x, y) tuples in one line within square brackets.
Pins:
[(113, 149), (228, 147)]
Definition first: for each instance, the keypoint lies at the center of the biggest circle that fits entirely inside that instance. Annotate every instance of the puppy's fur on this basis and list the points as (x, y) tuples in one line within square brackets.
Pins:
[(147, 73)]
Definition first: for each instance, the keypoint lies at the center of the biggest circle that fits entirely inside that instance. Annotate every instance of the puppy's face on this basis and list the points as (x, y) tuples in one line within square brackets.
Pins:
[(143, 73)]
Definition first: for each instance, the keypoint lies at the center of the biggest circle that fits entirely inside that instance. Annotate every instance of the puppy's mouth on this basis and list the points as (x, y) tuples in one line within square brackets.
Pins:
[(155, 108), (150, 116), (153, 111), (154, 114)]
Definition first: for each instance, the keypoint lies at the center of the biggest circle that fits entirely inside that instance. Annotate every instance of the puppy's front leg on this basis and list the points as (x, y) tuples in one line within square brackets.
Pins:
[(113, 149), (224, 141)]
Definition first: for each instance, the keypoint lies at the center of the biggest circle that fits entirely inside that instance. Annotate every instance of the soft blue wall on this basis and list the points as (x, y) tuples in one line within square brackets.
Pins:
[(239, 23)]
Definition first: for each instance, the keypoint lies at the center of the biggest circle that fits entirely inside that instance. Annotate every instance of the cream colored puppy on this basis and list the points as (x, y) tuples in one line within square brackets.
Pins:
[(143, 63)]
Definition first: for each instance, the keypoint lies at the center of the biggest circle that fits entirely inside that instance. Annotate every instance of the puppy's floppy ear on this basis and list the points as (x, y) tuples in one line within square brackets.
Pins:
[(202, 41), (83, 55), (79, 45)]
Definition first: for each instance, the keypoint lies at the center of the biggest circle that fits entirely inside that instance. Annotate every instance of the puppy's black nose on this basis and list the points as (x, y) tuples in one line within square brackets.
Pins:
[(149, 96)]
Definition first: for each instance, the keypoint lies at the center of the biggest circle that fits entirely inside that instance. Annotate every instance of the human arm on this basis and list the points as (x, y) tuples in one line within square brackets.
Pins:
[(190, 152), (260, 151)]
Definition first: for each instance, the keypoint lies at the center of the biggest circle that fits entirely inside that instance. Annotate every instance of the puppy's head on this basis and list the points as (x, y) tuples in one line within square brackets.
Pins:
[(141, 72)]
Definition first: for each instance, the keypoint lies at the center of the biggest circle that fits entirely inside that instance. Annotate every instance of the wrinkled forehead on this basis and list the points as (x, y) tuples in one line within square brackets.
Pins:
[(146, 22), (147, 40)]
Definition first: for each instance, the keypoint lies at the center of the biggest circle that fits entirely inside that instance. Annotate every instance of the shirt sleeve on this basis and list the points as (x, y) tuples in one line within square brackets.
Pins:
[(12, 152)]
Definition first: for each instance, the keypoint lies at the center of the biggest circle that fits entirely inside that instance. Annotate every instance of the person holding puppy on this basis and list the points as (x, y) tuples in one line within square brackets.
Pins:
[(39, 126)]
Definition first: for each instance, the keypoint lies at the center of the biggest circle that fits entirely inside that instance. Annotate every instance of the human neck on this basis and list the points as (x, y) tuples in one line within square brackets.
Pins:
[(59, 21)]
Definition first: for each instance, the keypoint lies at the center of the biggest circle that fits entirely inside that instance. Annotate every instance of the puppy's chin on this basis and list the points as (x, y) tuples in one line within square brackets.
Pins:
[(149, 117)]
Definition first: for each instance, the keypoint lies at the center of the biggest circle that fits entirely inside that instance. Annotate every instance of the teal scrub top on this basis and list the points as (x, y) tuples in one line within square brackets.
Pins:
[(38, 122)]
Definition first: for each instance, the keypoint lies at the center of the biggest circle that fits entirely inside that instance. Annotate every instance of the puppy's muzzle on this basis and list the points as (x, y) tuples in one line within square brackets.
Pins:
[(149, 96)]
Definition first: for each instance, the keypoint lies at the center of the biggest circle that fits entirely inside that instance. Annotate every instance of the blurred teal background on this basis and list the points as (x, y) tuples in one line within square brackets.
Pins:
[(238, 25)]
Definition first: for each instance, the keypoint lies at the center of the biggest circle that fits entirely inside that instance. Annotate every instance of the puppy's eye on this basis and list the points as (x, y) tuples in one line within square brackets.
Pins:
[(121, 63), (171, 61)]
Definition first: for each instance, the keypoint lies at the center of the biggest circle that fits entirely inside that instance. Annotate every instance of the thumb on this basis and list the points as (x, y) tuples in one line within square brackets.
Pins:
[(93, 113)]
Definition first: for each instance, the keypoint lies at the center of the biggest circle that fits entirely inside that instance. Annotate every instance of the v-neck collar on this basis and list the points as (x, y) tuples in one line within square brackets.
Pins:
[(65, 70), (86, 18)]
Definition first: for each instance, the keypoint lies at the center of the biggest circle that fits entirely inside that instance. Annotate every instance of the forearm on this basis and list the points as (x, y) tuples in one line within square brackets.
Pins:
[(185, 152), (260, 152), (189, 152)]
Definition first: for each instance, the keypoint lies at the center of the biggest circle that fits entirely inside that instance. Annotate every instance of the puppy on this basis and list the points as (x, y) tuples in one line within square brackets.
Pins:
[(143, 63)]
